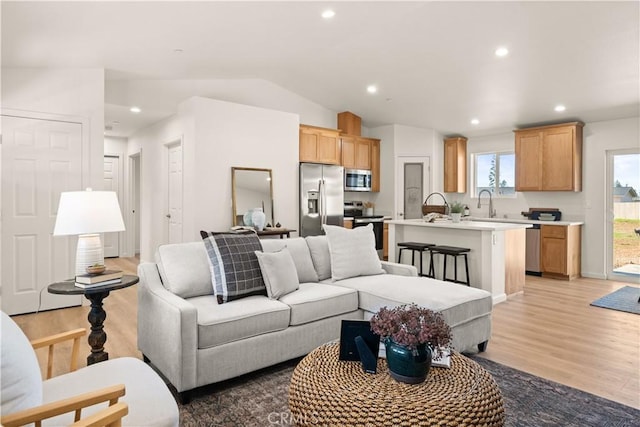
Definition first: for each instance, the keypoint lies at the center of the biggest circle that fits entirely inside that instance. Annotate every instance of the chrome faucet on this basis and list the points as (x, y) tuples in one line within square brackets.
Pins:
[(492, 212)]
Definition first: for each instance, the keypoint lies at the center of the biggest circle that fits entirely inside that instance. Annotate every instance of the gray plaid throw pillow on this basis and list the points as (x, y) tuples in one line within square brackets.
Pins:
[(235, 271)]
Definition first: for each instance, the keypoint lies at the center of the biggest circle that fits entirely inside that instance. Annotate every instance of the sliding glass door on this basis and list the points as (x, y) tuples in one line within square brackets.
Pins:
[(623, 223)]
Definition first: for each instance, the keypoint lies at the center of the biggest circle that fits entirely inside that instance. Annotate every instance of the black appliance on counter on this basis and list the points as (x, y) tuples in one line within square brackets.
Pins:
[(355, 210)]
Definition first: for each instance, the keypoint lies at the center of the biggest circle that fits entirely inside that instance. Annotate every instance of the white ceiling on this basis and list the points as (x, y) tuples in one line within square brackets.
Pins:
[(433, 62)]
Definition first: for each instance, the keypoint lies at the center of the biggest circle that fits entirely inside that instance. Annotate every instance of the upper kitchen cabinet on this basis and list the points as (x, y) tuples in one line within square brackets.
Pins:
[(455, 165), (349, 123), (375, 165), (549, 158), (320, 145), (356, 152)]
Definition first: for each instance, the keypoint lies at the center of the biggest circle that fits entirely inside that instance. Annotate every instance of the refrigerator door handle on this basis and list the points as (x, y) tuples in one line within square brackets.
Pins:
[(322, 201)]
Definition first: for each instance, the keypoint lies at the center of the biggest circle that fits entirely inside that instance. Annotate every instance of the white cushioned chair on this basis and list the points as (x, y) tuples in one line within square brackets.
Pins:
[(92, 392)]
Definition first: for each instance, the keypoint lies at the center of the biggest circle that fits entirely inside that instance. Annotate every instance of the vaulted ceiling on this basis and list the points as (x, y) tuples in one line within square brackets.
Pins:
[(433, 63)]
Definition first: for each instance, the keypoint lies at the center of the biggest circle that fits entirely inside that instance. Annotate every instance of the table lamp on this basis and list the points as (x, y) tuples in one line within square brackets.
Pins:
[(87, 214)]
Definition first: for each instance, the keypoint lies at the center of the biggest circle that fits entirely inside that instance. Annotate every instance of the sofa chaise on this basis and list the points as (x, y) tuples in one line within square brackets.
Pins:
[(194, 341)]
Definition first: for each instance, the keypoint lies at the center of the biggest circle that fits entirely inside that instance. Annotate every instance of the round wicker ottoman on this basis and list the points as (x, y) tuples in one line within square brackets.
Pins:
[(325, 391)]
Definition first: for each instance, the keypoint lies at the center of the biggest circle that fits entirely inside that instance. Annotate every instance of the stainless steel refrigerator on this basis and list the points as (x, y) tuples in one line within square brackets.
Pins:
[(321, 197)]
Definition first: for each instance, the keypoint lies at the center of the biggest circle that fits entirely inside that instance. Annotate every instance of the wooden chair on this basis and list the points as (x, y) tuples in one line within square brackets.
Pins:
[(83, 397)]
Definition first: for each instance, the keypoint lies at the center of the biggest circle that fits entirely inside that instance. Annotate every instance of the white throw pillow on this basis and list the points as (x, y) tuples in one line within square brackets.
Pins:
[(320, 256), (279, 272), (353, 252)]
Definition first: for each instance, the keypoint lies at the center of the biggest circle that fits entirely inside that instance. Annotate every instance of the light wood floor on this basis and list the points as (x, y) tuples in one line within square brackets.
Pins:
[(550, 331)]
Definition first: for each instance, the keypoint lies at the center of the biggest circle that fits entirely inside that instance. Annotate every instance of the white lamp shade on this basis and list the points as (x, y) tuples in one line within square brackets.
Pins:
[(86, 212)]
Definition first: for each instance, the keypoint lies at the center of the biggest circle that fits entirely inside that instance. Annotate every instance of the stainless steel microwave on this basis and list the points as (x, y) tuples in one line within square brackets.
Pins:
[(357, 180)]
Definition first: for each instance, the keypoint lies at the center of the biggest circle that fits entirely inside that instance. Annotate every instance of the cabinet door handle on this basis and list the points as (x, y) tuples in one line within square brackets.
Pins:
[(168, 215)]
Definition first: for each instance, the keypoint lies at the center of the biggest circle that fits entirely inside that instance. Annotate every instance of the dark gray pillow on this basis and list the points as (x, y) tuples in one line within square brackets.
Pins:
[(235, 271)]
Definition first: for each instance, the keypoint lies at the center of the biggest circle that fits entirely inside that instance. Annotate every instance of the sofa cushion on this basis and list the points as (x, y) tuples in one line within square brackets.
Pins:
[(279, 272), (458, 303), (21, 385), (236, 320), (319, 249), (235, 271), (353, 252), (299, 252), (184, 269), (315, 301)]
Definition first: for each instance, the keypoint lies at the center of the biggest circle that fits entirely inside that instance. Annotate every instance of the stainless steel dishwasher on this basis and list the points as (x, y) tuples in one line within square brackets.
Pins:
[(532, 260)]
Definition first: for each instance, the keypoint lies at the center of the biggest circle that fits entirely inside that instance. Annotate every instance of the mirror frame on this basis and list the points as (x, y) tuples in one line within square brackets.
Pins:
[(233, 191)]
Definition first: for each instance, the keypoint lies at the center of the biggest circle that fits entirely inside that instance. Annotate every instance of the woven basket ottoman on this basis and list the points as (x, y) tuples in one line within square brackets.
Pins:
[(329, 392)]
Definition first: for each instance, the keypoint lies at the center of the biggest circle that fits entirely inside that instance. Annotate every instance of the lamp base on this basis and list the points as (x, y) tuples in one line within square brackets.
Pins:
[(89, 252)]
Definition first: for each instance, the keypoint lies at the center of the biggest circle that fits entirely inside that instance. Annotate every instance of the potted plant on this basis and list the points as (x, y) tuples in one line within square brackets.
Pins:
[(410, 334), (456, 211)]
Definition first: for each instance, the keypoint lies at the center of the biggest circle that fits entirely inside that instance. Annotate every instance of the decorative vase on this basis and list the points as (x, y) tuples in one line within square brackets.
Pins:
[(455, 216), (258, 218), (247, 218), (407, 365)]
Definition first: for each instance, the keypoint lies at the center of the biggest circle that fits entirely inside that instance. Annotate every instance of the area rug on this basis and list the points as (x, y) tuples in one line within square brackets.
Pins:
[(624, 299), (260, 399)]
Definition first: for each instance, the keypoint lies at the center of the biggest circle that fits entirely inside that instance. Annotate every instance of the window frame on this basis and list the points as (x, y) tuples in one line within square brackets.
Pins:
[(474, 175)]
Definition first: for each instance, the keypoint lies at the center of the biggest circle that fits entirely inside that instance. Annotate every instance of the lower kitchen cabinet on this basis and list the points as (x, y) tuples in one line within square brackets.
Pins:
[(560, 251), (347, 223)]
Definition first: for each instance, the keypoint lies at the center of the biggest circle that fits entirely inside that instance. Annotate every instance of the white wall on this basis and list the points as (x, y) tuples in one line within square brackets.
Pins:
[(216, 136)]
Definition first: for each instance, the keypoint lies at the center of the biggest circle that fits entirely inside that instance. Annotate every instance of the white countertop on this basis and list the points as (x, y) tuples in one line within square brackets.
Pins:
[(524, 221), (464, 225)]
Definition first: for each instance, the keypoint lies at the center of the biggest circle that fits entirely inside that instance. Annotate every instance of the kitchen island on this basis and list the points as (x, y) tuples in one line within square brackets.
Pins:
[(496, 260)]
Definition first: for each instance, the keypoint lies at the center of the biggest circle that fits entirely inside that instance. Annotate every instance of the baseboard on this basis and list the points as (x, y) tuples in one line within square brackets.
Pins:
[(594, 275)]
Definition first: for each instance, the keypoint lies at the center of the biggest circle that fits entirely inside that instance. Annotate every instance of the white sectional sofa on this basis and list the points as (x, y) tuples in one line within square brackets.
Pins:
[(194, 341)]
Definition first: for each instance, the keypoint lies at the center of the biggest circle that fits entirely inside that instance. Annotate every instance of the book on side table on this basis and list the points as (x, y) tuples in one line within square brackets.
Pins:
[(107, 278)]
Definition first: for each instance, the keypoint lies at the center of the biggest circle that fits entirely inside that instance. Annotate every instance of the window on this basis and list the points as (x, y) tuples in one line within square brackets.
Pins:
[(495, 172)]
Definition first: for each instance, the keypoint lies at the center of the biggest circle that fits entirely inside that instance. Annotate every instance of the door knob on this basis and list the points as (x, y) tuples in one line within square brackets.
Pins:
[(168, 215)]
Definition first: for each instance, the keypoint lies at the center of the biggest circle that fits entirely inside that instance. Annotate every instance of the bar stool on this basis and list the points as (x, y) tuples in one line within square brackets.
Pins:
[(420, 248), (455, 252)]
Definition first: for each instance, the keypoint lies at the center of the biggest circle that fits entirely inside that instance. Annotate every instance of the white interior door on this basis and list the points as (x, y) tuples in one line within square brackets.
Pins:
[(40, 159), (134, 179), (412, 186), (111, 241), (174, 197)]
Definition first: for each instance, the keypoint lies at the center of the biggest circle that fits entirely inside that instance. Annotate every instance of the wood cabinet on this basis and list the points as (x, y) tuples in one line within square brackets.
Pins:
[(455, 165), (349, 123), (347, 223), (560, 251), (320, 145), (375, 165), (356, 152), (385, 242), (549, 158)]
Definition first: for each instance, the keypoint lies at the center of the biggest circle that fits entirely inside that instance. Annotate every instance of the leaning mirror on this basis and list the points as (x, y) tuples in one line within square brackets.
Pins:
[(251, 188)]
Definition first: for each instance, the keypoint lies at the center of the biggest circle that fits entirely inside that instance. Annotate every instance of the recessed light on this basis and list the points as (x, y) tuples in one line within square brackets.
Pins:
[(560, 108), (327, 14), (135, 109), (372, 89), (178, 50), (502, 52), (475, 121)]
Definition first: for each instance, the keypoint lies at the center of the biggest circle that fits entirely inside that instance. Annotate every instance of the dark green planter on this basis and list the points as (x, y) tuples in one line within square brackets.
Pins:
[(405, 365)]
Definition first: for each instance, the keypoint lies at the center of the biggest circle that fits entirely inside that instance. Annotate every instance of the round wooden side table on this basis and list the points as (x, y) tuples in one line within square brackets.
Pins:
[(97, 315), (327, 391)]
